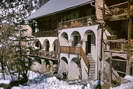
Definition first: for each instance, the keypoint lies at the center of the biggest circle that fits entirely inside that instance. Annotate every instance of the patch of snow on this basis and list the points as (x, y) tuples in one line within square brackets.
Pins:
[(5, 81), (128, 77), (124, 86), (7, 77), (16, 88), (32, 75)]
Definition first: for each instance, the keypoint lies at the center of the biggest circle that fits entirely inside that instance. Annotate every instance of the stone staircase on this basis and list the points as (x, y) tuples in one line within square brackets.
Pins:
[(92, 68), (89, 62)]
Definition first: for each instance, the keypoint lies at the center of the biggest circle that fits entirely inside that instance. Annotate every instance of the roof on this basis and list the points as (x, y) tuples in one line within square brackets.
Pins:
[(54, 6)]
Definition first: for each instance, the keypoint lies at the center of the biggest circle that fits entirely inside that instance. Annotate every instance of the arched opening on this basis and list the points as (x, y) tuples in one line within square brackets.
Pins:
[(64, 35), (64, 67), (89, 41), (38, 44), (64, 59), (55, 45), (75, 38), (46, 45), (75, 71)]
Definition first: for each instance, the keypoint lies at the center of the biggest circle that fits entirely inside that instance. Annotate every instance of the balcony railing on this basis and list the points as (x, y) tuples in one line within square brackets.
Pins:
[(84, 21), (118, 45), (70, 49), (45, 33), (49, 55)]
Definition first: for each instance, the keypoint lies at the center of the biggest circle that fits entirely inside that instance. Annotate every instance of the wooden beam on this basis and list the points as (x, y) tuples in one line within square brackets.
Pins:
[(129, 37), (116, 17), (119, 4), (113, 51)]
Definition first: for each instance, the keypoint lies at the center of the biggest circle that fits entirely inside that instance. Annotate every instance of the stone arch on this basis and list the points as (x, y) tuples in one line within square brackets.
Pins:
[(75, 72), (64, 59), (55, 45), (46, 45), (76, 38), (63, 69), (90, 40), (64, 35), (38, 44)]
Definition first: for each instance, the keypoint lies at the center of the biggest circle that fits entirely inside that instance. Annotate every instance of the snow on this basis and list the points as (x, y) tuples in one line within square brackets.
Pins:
[(124, 86), (32, 75), (40, 81), (128, 77), (128, 85), (5, 81), (43, 82)]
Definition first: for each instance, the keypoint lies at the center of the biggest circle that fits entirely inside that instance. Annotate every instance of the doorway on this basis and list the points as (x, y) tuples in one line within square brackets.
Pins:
[(90, 41), (88, 44)]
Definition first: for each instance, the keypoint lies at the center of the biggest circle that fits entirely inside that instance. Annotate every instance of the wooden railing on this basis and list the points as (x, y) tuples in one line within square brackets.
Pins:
[(45, 33), (118, 45), (49, 55), (84, 21), (70, 49), (75, 50), (119, 11), (85, 58)]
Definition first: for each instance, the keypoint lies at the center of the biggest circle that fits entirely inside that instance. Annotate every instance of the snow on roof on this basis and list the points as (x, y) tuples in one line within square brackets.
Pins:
[(54, 6)]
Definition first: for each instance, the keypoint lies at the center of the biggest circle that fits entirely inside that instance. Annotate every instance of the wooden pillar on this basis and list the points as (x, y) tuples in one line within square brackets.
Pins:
[(129, 37), (110, 80), (99, 4)]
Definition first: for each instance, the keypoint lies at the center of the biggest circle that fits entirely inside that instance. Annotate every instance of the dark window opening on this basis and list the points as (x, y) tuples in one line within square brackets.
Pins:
[(76, 38), (38, 44), (47, 46), (65, 36)]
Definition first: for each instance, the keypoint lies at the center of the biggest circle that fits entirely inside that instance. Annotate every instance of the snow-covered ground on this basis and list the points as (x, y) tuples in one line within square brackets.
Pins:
[(38, 81), (125, 86), (43, 82), (128, 85)]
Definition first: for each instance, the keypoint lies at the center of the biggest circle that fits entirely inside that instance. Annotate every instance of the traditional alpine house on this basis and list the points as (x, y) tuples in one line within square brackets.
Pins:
[(83, 35)]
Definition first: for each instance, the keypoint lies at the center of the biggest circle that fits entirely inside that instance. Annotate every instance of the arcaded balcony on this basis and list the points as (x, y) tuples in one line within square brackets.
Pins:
[(80, 22)]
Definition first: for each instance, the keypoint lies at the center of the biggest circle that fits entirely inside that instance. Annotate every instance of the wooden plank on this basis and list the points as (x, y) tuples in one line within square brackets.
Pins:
[(114, 51), (119, 40), (119, 60), (119, 4), (116, 17)]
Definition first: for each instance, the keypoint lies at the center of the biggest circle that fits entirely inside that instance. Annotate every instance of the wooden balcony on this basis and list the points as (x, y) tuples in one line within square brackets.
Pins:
[(118, 12), (45, 33), (119, 46), (84, 21), (48, 55), (70, 49)]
